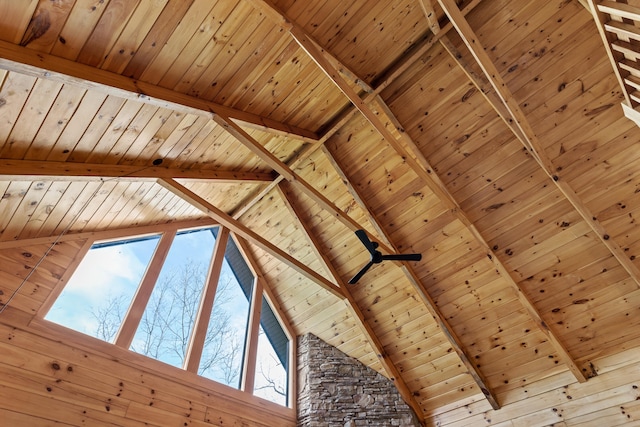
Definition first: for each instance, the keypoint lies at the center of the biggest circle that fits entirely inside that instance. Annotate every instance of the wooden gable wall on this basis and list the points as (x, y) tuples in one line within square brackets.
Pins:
[(488, 135)]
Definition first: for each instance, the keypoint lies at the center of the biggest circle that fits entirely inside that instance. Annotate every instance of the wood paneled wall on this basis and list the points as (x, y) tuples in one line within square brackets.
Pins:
[(50, 375), (612, 398)]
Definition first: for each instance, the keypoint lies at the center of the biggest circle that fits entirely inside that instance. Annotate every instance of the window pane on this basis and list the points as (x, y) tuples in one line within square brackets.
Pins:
[(225, 341), (168, 319), (99, 292), (272, 363)]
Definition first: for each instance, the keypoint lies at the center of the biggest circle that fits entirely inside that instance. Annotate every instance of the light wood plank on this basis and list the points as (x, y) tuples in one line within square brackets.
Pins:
[(472, 42), (15, 58)]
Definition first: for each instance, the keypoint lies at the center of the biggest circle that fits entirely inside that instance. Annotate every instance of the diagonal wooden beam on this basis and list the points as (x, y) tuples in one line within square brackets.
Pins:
[(22, 168), (412, 55), (485, 88), (585, 4), (426, 298), (240, 229), (511, 278), (389, 367), (493, 75), (421, 168), (45, 66), (286, 172), (430, 14), (18, 59)]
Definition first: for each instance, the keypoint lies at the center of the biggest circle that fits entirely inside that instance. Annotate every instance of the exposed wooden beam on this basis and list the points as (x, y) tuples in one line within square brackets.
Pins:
[(585, 4), (389, 367), (29, 62), (62, 170), (417, 51), (430, 304), (304, 153), (240, 229), (421, 168), (45, 66), (316, 53), (430, 14), (383, 82), (493, 75), (485, 88), (111, 234), (449, 201), (286, 172)]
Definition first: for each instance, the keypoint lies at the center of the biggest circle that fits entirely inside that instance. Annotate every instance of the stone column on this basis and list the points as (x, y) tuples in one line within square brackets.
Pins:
[(335, 390)]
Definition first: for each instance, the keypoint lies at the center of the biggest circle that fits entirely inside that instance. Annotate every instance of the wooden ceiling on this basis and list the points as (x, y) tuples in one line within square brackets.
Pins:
[(486, 135)]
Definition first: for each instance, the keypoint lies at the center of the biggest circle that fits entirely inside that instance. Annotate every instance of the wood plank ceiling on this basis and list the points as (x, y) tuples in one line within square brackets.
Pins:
[(486, 135)]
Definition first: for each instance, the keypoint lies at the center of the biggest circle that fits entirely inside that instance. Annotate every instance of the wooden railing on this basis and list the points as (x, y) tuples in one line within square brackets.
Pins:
[(619, 27)]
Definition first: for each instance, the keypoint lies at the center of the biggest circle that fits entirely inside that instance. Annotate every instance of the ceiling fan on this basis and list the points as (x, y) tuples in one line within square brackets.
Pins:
[(377, 257)]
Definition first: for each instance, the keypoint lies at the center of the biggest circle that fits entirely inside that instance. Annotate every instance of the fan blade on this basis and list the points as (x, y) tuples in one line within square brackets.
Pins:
[(402, 257), (362, 235), (357, 277)]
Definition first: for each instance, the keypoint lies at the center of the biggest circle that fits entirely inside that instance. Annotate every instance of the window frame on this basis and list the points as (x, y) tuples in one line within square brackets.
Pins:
[(140, 299)]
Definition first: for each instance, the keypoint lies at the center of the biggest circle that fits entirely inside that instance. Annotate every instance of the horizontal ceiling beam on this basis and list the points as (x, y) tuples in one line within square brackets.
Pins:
[(242, 230), (111, 234), (62, 170), (41, 65)]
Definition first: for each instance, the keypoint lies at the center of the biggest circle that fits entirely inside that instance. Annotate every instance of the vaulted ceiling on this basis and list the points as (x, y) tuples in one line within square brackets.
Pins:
[(486, 135)]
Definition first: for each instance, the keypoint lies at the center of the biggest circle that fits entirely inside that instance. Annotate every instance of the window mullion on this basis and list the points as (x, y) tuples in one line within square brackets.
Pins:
[(198, 336), (141, 299), (251, 344)]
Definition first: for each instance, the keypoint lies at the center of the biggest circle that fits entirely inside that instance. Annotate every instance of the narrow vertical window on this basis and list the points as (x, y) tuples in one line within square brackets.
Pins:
[(225, 341), (272, 365)]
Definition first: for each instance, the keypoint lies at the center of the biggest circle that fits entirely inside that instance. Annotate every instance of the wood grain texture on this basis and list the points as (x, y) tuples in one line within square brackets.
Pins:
[(485, 135)]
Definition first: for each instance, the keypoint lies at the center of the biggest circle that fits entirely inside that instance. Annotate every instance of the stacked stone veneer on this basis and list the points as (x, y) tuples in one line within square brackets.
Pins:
[(335, 390)]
